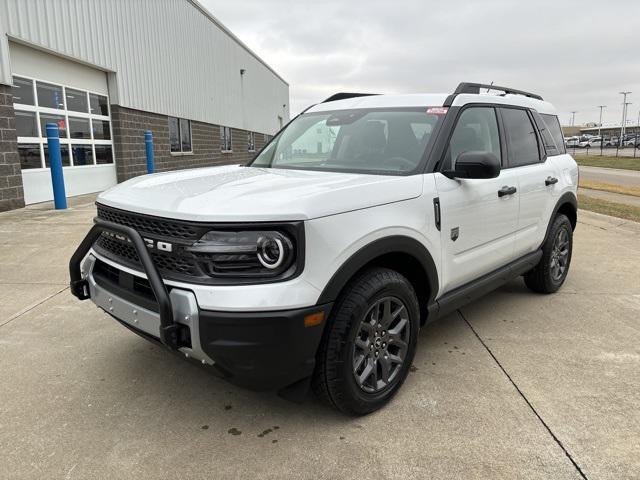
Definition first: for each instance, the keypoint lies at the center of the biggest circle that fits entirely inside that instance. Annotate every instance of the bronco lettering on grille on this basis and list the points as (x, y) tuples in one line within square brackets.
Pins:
[(151, 243)]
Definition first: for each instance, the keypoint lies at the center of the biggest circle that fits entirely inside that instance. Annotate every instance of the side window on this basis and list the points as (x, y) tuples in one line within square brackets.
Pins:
[(476, 130), (522, 141), (553, 125), (547, 139)]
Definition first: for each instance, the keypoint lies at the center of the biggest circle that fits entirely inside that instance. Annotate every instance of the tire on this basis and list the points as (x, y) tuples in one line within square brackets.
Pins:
[(551, 272), (349, 344)]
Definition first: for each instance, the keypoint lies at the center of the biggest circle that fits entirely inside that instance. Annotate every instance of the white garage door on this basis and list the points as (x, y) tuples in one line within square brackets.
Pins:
[(48, 89)]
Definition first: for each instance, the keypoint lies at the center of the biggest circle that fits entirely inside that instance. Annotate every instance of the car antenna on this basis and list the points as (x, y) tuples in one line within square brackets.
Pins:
[(490, 86)]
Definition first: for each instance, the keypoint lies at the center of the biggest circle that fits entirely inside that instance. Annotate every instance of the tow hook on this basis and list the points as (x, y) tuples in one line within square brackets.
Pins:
[(80, 289)]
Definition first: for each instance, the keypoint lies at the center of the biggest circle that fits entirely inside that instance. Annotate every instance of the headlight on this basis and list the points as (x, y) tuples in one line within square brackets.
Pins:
[(249, 253)]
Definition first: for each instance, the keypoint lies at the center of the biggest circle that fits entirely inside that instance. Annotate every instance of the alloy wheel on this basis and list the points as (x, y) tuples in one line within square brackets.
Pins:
[(381, 344), (560, 254)]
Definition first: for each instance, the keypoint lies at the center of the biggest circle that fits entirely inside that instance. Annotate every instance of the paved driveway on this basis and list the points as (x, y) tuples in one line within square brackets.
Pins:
[(516, 385)]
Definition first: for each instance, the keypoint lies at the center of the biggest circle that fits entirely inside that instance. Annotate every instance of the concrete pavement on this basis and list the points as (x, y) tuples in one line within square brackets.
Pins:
[(516, 385), (615, 176)]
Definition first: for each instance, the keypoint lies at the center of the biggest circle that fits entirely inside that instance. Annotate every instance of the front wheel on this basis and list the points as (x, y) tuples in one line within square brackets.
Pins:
[(369, 344), (551, 272)]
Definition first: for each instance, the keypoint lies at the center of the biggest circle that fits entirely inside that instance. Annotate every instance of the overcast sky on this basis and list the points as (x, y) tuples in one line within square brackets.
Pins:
[(576, 54)]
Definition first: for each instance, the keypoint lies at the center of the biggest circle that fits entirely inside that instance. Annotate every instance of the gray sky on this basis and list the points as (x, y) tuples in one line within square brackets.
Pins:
[(576, 54)]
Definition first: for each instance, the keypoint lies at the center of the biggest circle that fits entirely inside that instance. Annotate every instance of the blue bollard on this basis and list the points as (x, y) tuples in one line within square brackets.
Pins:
[(148, 143), (55, 162)]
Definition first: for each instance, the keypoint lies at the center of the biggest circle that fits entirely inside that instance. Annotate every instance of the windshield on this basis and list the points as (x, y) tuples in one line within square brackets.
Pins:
[(377, 141)]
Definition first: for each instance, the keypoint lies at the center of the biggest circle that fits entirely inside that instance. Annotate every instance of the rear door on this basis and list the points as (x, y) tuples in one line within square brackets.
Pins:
[(536, 176), (477, 224)]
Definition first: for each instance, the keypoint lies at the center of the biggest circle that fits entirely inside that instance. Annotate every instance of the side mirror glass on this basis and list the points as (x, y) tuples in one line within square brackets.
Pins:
[(475, 165)]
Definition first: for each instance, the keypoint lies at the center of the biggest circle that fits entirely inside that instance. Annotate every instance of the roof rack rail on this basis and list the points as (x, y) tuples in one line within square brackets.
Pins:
[(474, 88), (345, 95)]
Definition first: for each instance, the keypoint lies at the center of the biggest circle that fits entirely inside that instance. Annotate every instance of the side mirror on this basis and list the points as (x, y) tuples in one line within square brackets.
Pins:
[(475, 165)]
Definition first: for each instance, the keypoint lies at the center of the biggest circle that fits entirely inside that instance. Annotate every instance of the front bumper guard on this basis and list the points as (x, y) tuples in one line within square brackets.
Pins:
[(80, 285)]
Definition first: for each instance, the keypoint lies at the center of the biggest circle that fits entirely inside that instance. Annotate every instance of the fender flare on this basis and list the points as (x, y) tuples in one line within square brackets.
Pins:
[(568, 198), (375, 249)]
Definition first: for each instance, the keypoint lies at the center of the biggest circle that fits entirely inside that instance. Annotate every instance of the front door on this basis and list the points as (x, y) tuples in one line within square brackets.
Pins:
[(477, 223)]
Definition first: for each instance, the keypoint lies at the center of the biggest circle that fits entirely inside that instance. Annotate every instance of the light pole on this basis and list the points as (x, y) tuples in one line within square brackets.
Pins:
[(573, 117), (601, 107), (624, 114), (626, 110)]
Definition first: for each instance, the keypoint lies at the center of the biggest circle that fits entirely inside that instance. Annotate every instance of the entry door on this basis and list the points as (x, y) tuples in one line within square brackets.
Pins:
[(535, 176), (477, 224)]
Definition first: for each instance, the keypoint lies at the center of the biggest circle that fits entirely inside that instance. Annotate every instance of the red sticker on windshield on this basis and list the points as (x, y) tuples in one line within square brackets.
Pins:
[(437, 110)]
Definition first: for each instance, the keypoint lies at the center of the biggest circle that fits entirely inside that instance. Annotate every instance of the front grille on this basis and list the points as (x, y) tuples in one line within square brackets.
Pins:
[(177, 265), (185, 266), (164, 262), (165, 228)]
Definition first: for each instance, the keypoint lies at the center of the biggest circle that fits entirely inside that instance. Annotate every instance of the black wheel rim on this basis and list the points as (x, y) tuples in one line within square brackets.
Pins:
[(381, 344), (560, 255)]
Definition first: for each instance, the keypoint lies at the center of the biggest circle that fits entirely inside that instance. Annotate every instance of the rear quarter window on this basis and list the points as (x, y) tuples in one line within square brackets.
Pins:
[(553, 125)]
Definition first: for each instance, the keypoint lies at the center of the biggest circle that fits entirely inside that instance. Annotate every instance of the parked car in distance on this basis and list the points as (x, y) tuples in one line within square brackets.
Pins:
[(633, 141), (590, 142), (316, 265), (572, 141)]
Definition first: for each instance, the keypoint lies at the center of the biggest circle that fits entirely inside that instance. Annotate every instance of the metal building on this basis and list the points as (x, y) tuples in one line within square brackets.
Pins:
[(106, 71)]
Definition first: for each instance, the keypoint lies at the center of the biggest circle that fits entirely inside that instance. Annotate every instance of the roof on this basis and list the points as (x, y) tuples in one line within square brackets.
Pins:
[(433, 100), (221, 26)]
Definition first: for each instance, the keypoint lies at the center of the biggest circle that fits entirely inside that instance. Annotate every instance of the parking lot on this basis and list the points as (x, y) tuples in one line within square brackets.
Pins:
[(516, 385)]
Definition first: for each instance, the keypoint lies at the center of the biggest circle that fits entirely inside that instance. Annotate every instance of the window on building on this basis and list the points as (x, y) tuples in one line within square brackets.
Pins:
[(77, 100), (99, 104), (225, 139), (104, 154), (522, 141), (64, 153), (82, 154), (29, 154), (79, 128), (180, 135), (46, 118), (185, 135), (251, 141), (26, 124), (82, 118), (101, 129), (22, 91), (50, 96)]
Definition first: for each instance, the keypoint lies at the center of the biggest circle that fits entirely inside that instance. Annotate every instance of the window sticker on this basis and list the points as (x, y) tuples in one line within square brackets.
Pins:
[(437, 110)]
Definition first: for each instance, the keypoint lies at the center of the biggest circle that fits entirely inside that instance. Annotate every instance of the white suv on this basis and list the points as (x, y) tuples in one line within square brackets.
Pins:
[(317, 263)]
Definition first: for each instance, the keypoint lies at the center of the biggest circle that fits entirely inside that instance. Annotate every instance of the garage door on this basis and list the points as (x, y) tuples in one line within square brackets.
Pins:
[(48, 89)]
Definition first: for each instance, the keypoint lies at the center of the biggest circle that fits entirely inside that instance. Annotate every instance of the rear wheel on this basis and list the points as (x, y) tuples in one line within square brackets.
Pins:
[(369, 343), (551, 272)]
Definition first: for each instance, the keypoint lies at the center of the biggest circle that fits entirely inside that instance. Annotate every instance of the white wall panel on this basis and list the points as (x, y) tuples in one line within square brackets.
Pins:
[(77, 181), (167, 57)]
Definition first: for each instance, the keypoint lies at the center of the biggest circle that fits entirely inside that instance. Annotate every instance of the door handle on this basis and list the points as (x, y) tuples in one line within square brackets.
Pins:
[(506, 191), (550, 181)]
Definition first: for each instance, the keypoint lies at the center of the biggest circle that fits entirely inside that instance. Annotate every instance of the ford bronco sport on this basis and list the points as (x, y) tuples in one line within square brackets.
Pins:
[(317, 263)]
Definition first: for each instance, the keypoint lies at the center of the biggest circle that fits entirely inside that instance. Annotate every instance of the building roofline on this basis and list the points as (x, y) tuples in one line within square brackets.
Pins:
[(231, 35)]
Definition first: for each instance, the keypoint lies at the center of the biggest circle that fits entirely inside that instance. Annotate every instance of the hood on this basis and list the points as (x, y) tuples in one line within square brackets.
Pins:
[(236, 193)]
